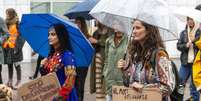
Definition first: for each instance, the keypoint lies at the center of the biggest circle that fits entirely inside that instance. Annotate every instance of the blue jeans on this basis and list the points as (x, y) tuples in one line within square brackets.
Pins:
[(185, 72)]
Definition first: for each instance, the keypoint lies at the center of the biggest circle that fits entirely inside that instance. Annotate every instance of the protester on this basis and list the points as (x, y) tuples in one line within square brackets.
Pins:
[(3, 37), (196, 71), (96, 75), (188, 51), (61, 61), (81, 71), (114, 50), (138, 71), (196, 65), (13, 46)]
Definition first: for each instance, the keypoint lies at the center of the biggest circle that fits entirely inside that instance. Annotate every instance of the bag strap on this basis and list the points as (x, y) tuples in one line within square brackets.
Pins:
[(153, 61)]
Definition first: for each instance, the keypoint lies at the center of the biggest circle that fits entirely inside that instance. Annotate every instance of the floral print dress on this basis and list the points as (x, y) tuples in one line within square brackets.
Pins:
[(64, 66)]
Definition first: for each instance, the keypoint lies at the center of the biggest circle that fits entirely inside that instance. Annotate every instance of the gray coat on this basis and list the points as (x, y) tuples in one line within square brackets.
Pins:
[(3, 36)]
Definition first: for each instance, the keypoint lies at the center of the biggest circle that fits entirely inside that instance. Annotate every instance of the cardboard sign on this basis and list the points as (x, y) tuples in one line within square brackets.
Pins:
[(41, 89), (121, 93)]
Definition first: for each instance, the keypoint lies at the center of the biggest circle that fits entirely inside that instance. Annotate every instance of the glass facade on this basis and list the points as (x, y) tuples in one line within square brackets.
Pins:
[(40, 7), (58, 8)]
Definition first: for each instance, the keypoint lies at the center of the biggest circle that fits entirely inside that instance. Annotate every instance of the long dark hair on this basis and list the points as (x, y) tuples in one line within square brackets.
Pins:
[(152, 41), (63, 37), (84, 28)]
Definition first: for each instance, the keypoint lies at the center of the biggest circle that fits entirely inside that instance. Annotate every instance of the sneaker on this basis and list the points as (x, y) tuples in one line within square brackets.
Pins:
[(32, 77), (10, 84), (18, 82)]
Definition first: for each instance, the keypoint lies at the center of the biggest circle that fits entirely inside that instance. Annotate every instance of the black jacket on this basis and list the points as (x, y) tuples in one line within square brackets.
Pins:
[(18, 55), (181, 45), (12, 55)]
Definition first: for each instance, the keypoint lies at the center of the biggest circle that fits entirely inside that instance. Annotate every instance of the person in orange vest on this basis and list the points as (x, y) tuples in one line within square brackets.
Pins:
[(13, 46)]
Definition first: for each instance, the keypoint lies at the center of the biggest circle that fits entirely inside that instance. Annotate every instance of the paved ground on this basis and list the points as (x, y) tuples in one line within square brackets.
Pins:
[(29, 68)]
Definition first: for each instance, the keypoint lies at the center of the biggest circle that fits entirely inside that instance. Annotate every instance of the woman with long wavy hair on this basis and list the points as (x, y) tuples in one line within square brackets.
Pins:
[(146, 39)]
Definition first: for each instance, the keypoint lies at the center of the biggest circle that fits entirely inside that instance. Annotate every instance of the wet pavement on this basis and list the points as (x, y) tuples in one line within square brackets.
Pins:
[(28, 69)]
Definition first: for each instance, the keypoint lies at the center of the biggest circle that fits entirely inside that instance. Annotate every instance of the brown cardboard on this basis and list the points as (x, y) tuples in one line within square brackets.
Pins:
[(41, 89), (121, 93)]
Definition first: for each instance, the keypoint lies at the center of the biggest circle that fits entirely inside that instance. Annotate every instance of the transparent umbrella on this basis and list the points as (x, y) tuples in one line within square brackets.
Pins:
[(183, 12), (123, 12)]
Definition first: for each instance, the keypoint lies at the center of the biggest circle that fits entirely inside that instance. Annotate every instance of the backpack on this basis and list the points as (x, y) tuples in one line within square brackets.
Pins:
[(176, 94)]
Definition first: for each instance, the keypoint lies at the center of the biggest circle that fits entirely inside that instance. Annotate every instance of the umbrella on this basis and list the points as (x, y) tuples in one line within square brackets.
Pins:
[(34, 28), (184, 12), (154, 12), (81, 9)]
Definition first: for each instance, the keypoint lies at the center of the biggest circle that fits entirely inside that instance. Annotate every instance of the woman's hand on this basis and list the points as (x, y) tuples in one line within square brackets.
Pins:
[(137, 86), (121, 64), (43, 61), (93, 40), (43, 71)]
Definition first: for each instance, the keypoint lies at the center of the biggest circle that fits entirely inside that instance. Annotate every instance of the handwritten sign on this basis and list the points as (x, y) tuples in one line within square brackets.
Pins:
[(121, 93), (41, 89)]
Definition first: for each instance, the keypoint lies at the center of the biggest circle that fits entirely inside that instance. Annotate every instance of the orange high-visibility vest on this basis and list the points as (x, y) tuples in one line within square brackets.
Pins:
[(13, 34)]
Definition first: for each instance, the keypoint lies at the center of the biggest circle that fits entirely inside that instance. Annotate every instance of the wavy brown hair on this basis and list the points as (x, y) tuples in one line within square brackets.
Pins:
[(12, 17), (152, 39)]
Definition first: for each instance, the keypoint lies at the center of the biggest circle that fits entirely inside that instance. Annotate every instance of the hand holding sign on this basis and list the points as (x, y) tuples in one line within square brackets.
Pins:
[(44, 88), (137, 86)]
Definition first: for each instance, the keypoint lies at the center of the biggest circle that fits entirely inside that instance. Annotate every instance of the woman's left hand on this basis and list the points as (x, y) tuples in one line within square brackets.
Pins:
[(137, 86)]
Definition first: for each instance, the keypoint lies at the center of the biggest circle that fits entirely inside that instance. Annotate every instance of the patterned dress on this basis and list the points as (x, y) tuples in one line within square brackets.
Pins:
[(145, 74), (64, 66)]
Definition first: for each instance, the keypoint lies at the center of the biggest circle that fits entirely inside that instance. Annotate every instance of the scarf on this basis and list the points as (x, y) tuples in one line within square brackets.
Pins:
[(191, 37)]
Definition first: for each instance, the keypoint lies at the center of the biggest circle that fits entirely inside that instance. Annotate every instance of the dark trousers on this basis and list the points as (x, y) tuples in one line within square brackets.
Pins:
[(10, 71), (80, 81), (38, 66), (1, 81)]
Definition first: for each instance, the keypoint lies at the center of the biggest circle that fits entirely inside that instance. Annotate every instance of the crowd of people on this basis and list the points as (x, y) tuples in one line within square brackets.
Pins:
[(111, 65), (11, 46)]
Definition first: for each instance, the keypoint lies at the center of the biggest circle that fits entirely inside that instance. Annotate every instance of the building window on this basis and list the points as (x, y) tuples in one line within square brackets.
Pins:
[(58, 8), (40, 7)]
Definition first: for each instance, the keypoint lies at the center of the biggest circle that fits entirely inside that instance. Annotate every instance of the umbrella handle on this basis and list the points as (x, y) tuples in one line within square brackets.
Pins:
[(124, 58)]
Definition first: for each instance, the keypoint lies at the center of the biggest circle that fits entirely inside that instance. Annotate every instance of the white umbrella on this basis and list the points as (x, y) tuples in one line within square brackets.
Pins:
[(154, 12), (184, 12)]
